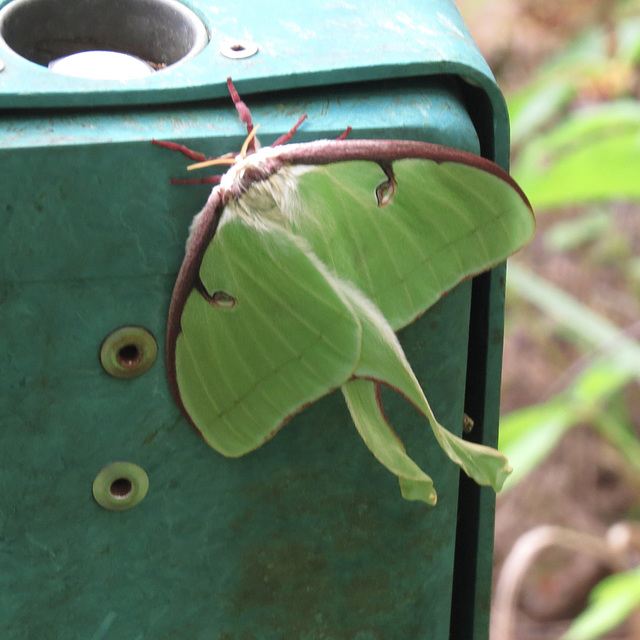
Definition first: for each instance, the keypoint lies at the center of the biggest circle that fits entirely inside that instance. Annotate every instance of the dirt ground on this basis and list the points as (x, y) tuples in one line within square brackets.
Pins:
[(584, 485)]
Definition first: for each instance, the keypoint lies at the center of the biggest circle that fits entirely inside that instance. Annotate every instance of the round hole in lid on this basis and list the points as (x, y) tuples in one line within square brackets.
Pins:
[(158, 32)]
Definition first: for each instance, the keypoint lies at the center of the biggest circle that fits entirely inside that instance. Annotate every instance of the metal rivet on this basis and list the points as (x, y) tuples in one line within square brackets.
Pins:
[(128, 352), (120, 486), (238, 49)]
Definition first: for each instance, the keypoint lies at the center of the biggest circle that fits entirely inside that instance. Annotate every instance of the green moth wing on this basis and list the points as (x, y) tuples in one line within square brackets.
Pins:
[(442, 220), (280, 337), (301, 266)]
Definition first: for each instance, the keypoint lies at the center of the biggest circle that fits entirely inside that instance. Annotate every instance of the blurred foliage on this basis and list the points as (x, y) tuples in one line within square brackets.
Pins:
[(587, 157), (576, 137), (570, 152), (528, 435), (610, 603), (597, 67)]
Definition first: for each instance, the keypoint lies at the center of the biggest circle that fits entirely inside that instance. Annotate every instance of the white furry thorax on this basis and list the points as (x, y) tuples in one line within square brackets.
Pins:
[(261, 189)]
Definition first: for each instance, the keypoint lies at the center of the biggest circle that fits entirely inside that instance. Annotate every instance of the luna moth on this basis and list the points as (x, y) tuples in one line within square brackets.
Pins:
[(302, 265)]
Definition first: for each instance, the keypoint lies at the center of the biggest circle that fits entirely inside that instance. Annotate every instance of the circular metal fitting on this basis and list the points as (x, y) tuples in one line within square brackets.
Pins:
[(120, 486), (128, 352), (238, 49)]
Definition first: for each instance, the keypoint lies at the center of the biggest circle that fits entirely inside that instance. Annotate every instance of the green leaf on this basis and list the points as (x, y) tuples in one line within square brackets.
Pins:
[(616, 426), (528, 435), (544, 99), (571, 234), (610, 604), (538, 105), (585, 159), (569, 312)]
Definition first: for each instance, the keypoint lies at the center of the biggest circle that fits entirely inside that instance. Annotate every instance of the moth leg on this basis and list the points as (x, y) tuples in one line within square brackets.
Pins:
[(185, 151), (192, 155), (344, 134), (243, 112), (285, 137), (208, 180)]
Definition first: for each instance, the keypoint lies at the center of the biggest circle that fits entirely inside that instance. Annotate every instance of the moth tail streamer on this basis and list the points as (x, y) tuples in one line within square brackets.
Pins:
[(362, 399), (382, 360)]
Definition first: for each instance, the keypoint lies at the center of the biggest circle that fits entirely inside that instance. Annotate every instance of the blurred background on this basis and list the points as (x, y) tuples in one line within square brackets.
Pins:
[(567, 550)]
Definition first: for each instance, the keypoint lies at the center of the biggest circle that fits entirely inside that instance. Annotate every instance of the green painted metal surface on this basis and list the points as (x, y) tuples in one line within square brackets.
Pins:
[(300, 44), (306, 538), (312, 44)]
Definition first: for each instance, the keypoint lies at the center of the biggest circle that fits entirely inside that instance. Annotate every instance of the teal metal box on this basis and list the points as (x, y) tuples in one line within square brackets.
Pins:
[(306, 538)]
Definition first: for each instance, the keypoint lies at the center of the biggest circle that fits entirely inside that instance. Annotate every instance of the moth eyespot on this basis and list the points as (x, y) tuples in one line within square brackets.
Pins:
[(223, 299), (385, 192)]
